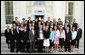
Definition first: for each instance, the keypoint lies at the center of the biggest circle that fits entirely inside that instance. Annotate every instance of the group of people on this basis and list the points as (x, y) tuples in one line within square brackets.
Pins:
[(29, 35)]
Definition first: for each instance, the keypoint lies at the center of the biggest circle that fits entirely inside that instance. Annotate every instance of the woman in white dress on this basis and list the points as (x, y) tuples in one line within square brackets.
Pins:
[(46, 39)]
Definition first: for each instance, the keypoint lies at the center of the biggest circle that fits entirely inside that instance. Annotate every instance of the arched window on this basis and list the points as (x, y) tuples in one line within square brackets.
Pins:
[(39, 3)]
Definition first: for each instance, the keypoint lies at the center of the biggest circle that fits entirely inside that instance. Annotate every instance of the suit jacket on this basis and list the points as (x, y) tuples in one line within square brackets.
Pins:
[(17, 36), (79, 33), (21, 35), (25, 33), (31, 35), (75, 25), (49, 22), (12, 36), (7, 34), (68, 36), (37, 34), (28, 24)]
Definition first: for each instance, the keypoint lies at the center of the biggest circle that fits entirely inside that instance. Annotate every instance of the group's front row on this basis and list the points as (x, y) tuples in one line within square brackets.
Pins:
[(58, 40)]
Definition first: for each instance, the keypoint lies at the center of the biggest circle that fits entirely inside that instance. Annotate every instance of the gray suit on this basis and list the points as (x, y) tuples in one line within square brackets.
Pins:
[(32, 38)]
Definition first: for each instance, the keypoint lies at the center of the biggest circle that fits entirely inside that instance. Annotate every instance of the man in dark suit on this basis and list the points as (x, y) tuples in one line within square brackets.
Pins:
[(36, 24), (74, 24), (29, 21), (79, 36), (21, 38), (68, 39), (25, 33), (40, 38), (48, 21), (16, 40), (12, 34), (32, 39)]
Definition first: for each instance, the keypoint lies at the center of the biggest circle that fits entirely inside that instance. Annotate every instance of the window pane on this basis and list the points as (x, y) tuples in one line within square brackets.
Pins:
[(70, 8), (9, 12), (39, 3)]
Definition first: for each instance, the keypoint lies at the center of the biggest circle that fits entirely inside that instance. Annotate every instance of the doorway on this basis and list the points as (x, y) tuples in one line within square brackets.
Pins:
[(39, 16)]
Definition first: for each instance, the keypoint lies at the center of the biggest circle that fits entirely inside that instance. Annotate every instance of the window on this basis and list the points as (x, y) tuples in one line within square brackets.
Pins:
[(70, 5), (39, 3), (9, 12), (69, 16)]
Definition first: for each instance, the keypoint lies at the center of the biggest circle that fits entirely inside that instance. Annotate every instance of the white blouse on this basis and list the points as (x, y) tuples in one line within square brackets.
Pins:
[(41, 35), (74, 34)]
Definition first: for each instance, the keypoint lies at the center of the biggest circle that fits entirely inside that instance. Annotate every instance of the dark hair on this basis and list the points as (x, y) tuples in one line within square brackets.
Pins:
[(72, 28)]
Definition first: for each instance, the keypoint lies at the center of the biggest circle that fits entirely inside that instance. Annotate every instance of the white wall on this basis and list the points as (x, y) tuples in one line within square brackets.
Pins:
[(79, 13), (3, 21), (59, 10), (19, 9)]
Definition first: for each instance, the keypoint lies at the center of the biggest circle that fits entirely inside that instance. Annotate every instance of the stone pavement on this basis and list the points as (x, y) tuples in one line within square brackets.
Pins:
[(5, 50)]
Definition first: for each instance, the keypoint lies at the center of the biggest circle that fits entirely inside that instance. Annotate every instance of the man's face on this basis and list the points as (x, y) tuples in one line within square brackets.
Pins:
[(49, 18), (16, 18), (41, 26), (74, 20), (29, 18)]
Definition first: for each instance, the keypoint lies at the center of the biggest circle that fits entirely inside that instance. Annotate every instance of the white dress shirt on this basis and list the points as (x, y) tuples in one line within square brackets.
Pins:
[(33, 32), (74, 34)]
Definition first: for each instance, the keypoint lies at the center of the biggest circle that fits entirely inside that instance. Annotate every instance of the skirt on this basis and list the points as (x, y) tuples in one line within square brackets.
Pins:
[(61, 41), (73, 42), (46, 43)]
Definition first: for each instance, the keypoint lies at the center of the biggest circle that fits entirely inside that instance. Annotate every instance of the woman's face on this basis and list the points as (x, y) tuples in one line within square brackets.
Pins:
[(25, 22), (46, 27), (55, 27), (7, 27), (73, 28), (61, 28), (67, 28), (25, 28), (11, 29)]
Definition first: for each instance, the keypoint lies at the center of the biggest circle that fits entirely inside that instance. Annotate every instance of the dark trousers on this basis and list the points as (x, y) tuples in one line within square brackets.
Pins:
[(77, 43), (27, 46), (67, 46), (8, 43), (21, 46), (32, 46), (17, 46), (40, 45), (12, 47)]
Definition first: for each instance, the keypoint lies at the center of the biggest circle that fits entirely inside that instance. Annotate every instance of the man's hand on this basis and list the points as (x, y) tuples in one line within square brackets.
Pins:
[(9, 41), (70, 40), (15, 40)]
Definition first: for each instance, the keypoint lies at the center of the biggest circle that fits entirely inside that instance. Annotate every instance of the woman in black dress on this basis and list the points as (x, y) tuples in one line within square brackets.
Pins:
[(7, 35)]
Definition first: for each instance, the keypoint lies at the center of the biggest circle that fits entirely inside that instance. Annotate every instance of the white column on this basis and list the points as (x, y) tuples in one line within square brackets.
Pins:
[(3, 21), (79, 13), (19, 9), (59, 10)]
